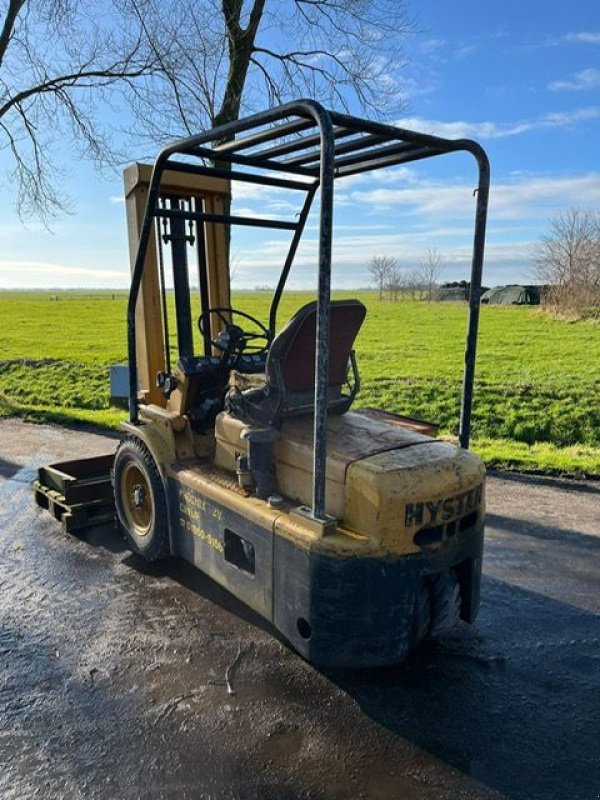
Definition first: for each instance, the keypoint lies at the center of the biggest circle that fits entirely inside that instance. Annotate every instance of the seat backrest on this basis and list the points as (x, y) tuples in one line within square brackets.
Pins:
[(291, 356)]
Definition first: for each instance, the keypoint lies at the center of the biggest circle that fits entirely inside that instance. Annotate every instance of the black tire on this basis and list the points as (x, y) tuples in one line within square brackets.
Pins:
[(422, 618), (444, 596), (140, 500)]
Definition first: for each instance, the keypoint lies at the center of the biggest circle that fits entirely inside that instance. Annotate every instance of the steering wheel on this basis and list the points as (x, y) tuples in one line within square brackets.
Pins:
[(233, 340)]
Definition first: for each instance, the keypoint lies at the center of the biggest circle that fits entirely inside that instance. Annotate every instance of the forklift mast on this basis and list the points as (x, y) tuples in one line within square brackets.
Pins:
[(202, 240)]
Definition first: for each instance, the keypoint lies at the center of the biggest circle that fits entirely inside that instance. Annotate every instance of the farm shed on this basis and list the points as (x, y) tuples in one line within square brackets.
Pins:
[(456, 290), (512, 295)]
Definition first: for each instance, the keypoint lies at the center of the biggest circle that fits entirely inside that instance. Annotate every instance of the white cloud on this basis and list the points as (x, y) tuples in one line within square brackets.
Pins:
[(41, 274), (520, 199), (465, 51), (504, 260), (247, 211), (428, 46), (392, 174), (461, 129), (59, 269), (247, 189), (581, 81), (565, 119), (376, 226), (116, 200), (250, 190), (587, 37)]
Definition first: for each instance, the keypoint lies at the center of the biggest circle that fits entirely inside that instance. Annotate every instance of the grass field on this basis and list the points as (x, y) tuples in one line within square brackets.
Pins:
[(536, 398)]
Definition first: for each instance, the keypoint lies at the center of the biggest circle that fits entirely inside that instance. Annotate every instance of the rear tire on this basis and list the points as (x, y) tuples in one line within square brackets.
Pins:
[(422, 619), (444, 595), (140, 500)]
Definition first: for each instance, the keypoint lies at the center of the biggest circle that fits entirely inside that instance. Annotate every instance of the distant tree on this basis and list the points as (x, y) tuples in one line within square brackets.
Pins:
[(380, 268), (567, 261), (396, 283), (430, 272), (58, 60), (414, 284)]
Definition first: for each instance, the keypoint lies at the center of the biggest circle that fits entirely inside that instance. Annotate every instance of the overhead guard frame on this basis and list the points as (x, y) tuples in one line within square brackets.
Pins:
[(328, 145)]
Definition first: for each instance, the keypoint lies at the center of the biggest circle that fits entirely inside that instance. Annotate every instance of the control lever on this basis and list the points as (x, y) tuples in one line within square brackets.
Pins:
[(168, 383)]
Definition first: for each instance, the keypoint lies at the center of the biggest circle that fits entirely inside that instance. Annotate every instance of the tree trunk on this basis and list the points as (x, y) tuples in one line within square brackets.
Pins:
[(241, 47)]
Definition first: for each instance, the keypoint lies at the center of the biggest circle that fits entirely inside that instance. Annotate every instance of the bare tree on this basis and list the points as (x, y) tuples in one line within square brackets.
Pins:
[(430, 272), (396, 283), (204, 61), (380, 268), (567, 260), (58, 60), (414, 283), (222, 58)]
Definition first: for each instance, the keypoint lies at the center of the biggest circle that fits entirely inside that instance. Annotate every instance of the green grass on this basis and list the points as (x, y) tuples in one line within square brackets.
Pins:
[(536, 396)]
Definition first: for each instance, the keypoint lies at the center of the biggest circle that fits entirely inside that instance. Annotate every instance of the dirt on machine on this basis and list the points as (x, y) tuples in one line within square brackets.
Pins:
[(355, 531)]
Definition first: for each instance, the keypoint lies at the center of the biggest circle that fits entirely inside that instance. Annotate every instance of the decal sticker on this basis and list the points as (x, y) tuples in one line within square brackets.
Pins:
[(438, 512), (192, 509)]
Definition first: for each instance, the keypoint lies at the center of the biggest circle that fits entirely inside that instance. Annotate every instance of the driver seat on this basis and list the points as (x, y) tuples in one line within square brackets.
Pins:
[(290, 368)]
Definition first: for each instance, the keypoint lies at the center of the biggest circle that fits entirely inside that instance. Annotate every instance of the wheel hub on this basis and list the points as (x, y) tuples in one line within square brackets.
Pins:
[(137, 499), (139, 496)]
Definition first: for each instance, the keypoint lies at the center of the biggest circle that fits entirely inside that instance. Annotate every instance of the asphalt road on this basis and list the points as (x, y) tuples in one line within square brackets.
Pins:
[(112, 674)]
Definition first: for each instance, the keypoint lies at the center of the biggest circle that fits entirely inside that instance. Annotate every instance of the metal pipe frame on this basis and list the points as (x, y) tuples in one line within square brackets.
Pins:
[(163, 299), (236, 175), (309, 159), (405, 146), (290, 258), (304, 143), (200, 216), (483, 192), (202, 273), (181, 281)]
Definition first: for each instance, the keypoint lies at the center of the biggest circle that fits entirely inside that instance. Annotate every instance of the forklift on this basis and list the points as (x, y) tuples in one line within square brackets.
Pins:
[(356, 533)]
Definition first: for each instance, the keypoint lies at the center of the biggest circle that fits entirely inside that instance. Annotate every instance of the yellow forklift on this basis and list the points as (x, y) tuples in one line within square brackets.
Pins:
[(356, 533)]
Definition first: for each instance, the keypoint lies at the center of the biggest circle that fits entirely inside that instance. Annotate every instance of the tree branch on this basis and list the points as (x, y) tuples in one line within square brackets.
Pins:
[(96, 77), (14, 7)]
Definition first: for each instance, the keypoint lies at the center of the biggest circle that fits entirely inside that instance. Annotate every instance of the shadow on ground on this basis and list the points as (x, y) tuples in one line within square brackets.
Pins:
[(509, 702), (8, 468), (531, 479), (545, 533)]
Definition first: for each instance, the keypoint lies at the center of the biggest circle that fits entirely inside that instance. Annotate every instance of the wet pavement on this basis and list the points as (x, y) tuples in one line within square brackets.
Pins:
[(113, 673)]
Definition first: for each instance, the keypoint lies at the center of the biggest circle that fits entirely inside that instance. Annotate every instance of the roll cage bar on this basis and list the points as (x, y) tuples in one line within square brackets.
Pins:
[(315, 145)]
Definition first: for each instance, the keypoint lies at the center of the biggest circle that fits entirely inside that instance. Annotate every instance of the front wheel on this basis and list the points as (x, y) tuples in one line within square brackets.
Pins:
[(140, 500)]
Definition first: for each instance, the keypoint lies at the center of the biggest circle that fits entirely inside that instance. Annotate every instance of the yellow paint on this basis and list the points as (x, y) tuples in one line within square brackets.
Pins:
[(368, 494), (379, 488), (148, 315), (148, 318), (378, 471), (349, 437), (375, 491)]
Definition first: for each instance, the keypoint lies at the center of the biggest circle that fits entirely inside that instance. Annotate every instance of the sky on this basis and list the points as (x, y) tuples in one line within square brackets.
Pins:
[(522, 78)]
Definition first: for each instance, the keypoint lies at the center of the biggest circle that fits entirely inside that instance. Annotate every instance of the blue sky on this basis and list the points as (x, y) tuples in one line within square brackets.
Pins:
[(523, 78)]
